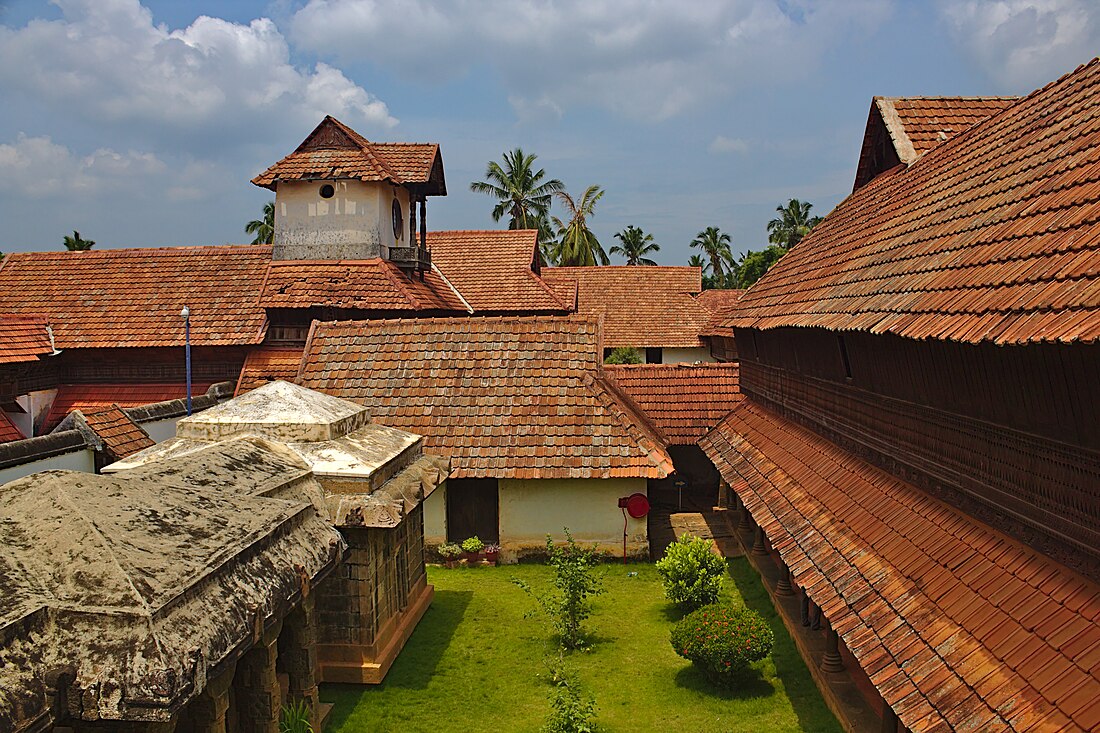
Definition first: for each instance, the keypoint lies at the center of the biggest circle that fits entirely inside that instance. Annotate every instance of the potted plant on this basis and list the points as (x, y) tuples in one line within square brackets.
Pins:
[(449, 551), (471, 549), (492, 552)]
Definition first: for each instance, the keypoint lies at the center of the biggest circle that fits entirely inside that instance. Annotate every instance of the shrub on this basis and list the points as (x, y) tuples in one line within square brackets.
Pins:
[(691, 573), (722, 641), (624, 355), (295, 718), (449, 550), (574, 582), (572, 708), (472, 545)]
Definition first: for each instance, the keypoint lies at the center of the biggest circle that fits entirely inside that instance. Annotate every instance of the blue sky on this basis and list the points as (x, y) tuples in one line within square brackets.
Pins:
[(141, 124)]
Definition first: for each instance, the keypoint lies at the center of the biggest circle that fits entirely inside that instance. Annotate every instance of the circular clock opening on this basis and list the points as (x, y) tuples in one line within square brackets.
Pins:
[(327, 191)]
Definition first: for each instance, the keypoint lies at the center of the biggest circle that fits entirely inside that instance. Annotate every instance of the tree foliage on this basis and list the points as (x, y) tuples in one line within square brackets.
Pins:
[(722, 642), (572, 707), (624, 355), (793, 223), (691, 573), (263, 229), (754, 264), (577, 245), (574, 583), (634, 245), (76, 243), (521, 192), (715, 246)]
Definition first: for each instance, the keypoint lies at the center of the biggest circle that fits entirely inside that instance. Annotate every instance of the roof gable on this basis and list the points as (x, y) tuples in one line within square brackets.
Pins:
[(24, 338), (993, 235), (502, 397)]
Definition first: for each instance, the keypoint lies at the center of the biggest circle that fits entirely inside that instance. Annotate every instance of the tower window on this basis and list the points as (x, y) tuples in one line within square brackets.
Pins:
[(327, 191), (398, 220)]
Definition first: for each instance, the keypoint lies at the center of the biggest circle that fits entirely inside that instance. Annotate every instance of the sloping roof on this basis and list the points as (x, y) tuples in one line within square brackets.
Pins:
[(268, 364), (8, 431), (502, 397), (121, 435), (90, 398), (495, 270), (374, 284), (958, 626), (641, 306), (24, 338), (133, 297), (992, 236), (683, 400), (720, 304), (335, 151)]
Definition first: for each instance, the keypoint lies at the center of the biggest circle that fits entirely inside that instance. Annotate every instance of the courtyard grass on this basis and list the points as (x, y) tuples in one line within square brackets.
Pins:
[(476, 663)]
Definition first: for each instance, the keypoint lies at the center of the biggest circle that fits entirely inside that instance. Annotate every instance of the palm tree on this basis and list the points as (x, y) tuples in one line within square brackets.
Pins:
[(635, 244), (697, 261), (715, 244), (76, 243), (520, 191), (577, 246), (793, 223), (264, 229)]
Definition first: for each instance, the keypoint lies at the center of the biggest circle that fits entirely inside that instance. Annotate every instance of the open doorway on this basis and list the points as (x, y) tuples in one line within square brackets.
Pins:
[(473, 508)]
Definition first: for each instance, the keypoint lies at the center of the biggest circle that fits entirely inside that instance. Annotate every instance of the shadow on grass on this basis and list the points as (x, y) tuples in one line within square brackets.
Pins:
[(801, 689), (416, 663), (752, 686)]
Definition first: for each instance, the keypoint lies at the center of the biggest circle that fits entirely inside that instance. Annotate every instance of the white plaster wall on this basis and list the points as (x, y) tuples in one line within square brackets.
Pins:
[(35, 406), (686, 356), (435, 516), (161, 430), (531, 509), (354, 224), (82, 460)]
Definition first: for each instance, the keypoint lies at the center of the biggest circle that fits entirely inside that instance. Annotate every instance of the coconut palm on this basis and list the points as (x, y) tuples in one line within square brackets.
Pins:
[(263, 229), (577, 246), (697, 261), (520, 191), (715, 244), (76, 243), (635, 245), (793, 223)]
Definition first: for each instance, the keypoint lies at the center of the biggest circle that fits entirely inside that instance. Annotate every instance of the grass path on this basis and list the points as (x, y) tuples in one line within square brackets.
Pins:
[(475, 663)]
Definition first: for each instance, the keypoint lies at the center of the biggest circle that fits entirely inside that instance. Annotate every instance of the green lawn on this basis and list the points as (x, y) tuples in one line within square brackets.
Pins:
[(475, 663)]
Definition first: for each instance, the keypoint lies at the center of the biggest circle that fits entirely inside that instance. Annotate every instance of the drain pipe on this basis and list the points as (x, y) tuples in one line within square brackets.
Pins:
[(623, 507)]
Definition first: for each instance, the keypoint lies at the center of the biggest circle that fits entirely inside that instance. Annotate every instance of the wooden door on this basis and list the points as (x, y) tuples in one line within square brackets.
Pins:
[(473, 509)]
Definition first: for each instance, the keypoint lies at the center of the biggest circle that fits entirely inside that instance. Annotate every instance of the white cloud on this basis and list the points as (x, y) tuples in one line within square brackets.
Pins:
[(723, 144), (1022, 44), (38, 167), (106, 61), (646, 60)]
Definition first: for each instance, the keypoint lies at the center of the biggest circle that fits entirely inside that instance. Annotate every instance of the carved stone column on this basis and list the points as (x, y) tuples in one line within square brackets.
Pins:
[(889, 719), (783, 587), (259, 700), (300, 656), (744, 524), (760, 546), (831, 661), (423, 221), (209, 708)]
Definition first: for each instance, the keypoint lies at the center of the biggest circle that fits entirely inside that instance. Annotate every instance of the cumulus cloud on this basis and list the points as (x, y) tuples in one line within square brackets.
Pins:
[(106, 61), (723, 144), (38, 167), (1022, 44), (646, 60)]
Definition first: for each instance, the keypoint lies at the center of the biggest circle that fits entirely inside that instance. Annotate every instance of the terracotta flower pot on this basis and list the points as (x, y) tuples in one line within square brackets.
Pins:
[(491, 557), (471, 558)]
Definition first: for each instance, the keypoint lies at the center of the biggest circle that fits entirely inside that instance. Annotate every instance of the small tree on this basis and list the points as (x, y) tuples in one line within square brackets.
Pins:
[(691, 573), (574, 583), (572, 708), (624, 355)]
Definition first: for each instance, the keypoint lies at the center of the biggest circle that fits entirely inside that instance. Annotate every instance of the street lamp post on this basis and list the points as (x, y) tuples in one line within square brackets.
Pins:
[(186, 313)]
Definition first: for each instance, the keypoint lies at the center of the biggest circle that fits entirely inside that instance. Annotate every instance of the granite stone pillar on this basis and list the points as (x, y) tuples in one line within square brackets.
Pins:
[(760, 545), (744, 524), (258, 697), (209, 708), (300, 656), (831, 661), (783, 587)]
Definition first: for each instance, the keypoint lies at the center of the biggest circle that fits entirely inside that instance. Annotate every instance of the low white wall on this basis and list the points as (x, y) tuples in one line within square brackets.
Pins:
[(531, 509), (435, 516), (686, 356), (82, 460)]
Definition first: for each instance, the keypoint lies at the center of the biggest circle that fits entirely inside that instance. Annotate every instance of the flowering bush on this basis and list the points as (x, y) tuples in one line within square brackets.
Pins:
[(722, 641), (691, 573), (449, 550)]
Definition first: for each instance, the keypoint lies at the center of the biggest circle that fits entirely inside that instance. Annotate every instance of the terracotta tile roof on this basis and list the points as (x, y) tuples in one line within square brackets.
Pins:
[(495, 270), (992, 236), (8, 431), (121, 435), (268, 364), (721, 304), (88, 398), (359, 284), (502, 397), (133, 297), (641, 306), (683, 400), (24, 338), (335, 151), (958, 626)]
